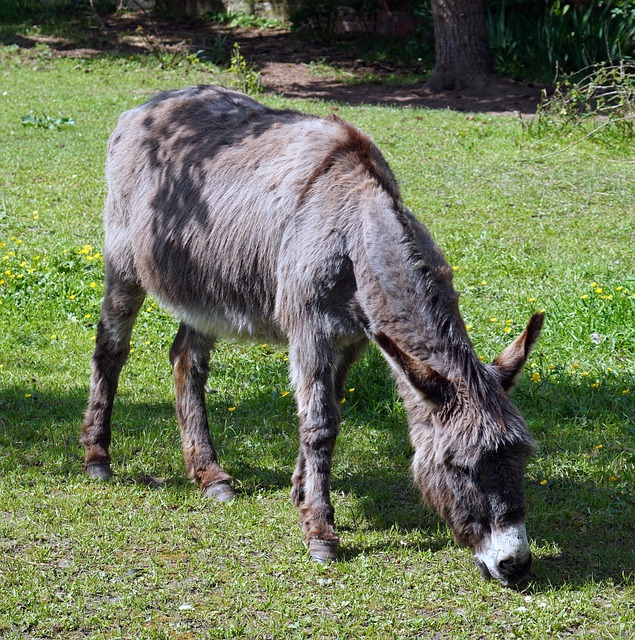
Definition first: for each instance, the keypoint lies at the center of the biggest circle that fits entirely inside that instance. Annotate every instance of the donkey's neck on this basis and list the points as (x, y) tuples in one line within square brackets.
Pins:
[(405, 288)]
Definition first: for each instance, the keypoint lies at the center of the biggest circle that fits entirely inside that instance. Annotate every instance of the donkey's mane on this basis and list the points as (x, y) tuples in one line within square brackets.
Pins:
[(355, 143), (481, 415)]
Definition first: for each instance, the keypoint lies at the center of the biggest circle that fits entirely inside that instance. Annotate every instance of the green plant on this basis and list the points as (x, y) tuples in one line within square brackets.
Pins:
[(242, 20), (217, 53), (244, 76), (46, 122), (596, 103), (534, 39)]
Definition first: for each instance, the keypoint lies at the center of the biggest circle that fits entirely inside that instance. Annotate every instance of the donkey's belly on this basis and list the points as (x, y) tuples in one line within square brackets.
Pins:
[(225, 323)]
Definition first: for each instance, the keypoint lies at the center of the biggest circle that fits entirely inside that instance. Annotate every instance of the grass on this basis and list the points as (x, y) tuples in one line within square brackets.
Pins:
[(527, 223)]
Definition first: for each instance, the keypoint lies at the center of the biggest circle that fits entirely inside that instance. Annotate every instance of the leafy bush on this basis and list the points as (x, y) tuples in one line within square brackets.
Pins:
[(536, 39), (242, 20)]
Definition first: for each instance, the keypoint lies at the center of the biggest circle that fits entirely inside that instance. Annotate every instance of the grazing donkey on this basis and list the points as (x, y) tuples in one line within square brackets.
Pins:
[(277, 225)]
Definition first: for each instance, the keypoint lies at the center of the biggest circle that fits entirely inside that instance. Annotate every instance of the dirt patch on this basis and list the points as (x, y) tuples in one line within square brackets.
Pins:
[(290, 66)]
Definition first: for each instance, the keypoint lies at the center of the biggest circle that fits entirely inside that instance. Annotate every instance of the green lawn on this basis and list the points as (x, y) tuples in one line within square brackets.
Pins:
[(527, 223)]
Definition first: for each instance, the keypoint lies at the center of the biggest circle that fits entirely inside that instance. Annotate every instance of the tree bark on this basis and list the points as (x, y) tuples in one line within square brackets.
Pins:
[(461, 44)]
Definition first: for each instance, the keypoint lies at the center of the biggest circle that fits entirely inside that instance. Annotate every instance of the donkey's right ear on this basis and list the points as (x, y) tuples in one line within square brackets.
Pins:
[(425, 381)]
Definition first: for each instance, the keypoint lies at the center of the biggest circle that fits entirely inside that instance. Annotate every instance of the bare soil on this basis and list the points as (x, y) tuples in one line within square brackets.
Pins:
[(285, 64)]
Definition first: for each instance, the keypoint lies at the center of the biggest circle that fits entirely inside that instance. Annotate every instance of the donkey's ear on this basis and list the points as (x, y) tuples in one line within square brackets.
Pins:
[(509, 363), (428, 383)]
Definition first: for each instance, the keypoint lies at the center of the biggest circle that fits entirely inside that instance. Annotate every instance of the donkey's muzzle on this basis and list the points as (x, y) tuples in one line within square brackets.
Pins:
[(512, 572), (509, 572)]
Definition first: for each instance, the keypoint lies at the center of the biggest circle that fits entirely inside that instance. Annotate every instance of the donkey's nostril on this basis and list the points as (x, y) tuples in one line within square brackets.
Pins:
[(513, 570), (507, 566)]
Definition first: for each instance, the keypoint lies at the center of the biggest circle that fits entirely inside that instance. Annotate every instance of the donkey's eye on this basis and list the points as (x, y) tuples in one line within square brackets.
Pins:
[(465, 474)]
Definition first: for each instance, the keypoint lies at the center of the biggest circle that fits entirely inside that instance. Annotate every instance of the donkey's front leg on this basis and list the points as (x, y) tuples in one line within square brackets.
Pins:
[(189, 356), (318, 410)]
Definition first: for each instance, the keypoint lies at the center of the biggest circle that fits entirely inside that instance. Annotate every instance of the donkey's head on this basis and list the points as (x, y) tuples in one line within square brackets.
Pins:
[(471, 446)]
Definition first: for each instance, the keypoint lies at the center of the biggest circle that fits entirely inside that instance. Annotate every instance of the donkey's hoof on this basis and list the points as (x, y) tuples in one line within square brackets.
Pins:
[(221, 491), (99, 471), (323, 551)]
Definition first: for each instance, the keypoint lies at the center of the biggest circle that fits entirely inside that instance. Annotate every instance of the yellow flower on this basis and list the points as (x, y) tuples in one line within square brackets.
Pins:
[(613, 478), (343, 400), (543, 482), (595, 384), (535, 377), (585, 296), (468, 327), (231, 409), (92, 285), (575, 366), (598, 446), (507, 329), (626, 392), (532, 299), (585, 373), (594, 284), (351, 390), (598, 290), (492, 319), (27, 395), (483, 281), (284, 394)]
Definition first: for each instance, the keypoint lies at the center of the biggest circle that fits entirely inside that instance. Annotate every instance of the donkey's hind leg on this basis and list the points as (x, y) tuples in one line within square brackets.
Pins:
[(119, 310), (189, 356)]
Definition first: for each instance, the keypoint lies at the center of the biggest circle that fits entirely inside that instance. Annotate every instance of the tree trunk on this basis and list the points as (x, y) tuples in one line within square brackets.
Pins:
[(463, 56)]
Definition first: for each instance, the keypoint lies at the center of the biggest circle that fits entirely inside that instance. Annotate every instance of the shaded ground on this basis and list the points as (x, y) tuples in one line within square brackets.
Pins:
[(288, 65)]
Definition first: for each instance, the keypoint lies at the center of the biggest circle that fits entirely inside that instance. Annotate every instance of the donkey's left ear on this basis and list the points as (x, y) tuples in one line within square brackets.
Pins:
[(509, 363)]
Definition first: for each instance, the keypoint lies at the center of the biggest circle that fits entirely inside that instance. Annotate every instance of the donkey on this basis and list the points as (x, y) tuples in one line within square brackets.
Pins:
[(281, 226)]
